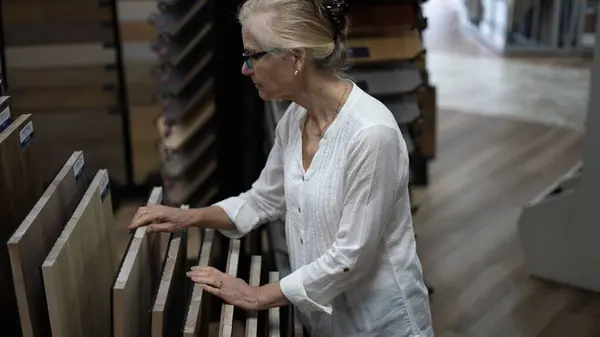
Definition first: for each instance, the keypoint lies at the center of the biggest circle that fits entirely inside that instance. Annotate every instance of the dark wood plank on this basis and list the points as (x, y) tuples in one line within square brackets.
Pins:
[(138, 279), (485, 170), (385, 49), (48, 33), (80, 268), (65, 99), (20, 188), (169, 306), (27, 79), (35, 237), (44, 12)]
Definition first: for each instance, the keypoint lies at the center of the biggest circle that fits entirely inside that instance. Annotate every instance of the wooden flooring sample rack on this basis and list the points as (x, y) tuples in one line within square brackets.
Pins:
[(61, 65), (138, 279), (35, 237), (79, 270), (20, 188), (187, 127)]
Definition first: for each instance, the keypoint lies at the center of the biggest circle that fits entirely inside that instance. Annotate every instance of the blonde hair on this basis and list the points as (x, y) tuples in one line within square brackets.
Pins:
[(298, 24)]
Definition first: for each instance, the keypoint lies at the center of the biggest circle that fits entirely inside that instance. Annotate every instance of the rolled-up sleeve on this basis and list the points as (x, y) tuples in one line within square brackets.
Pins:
[(375, 172), (265, 201)]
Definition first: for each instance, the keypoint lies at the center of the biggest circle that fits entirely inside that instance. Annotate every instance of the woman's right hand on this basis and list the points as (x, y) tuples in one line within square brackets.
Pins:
[(160, 218)]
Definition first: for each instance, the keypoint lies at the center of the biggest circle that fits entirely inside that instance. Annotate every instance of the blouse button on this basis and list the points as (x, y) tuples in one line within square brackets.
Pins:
[(299, 210), (301, 241)]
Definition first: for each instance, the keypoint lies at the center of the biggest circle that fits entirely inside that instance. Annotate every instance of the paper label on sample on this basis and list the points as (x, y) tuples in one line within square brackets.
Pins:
[(5, 119), (78, 166), (26, 134), (104, 187)]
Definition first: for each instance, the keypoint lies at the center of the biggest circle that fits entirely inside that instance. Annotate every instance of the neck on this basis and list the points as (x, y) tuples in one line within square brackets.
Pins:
[(321, 96)]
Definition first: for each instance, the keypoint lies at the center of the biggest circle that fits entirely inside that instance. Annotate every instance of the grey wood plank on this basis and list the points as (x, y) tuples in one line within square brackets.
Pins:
[(169, 306), (80, 267), (35, 237), (255, 272), (198, 314), (20, 188), (138, 278), (227, 310)]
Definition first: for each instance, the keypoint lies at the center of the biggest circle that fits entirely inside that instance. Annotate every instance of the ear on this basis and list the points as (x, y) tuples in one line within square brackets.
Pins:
[(300, 59)]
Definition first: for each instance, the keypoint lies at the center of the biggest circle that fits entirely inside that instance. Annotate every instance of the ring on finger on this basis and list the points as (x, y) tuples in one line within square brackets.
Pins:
[(220, 284)]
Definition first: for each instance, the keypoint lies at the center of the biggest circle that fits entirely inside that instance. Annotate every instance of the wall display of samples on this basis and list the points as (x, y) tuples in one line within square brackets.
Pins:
[(139, 62), (388, 62), (61, 64), (187, 124)]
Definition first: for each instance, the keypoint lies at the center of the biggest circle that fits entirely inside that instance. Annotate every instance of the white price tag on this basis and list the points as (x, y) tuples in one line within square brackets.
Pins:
[(26, 134), (78, 166), (5, 119), (104, 187)]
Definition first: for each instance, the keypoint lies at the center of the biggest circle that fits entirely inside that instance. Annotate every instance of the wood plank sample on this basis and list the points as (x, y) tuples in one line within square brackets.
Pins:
[(137, 31), (79, 270), (70, 99), (169, 306), (427, 139), (255, 273), (273, 321), (198, 314), (59, 56), (84, 76), (138, 278), (144, 137), (178, 191), (233, 259), (20, 188), (385, 49), (375, 19), (35, 237), (176, 135), (29, 34), (48, 12)]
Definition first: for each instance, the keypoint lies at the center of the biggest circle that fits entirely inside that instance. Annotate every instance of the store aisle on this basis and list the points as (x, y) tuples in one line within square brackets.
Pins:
[(472, 79)]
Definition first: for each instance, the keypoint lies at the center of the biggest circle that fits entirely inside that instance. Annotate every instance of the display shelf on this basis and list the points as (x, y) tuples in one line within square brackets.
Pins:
[(558, 228)]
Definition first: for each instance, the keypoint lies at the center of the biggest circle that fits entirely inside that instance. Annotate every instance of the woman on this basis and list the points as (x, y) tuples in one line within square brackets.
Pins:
[(338, 172)]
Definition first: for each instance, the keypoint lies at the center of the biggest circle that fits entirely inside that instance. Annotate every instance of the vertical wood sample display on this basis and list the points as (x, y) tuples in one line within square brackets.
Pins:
[(140, 63), (80, 268), (169, 307), (273, 321), (233, 259), (255, 273), (35, 237), (198, 314), (19, 190), (137, 280), (61, 65)]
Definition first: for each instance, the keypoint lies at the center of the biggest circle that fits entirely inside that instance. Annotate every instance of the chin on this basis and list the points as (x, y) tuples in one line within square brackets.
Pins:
[(265, 96)]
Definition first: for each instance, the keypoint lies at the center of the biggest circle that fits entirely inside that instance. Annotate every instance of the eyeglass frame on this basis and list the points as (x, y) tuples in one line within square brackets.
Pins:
[(248, 57)]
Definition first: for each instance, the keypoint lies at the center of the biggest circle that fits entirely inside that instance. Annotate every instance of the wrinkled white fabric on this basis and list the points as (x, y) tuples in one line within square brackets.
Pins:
[(355, 270)]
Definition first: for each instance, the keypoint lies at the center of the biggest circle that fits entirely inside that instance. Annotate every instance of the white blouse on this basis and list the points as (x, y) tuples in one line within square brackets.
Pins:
[(355, 270)]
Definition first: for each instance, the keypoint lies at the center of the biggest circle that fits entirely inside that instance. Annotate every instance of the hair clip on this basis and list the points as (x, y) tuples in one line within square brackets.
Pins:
[(337, 10)]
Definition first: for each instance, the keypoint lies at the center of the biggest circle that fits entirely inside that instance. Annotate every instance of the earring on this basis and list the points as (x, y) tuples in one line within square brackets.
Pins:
[(296, 73)]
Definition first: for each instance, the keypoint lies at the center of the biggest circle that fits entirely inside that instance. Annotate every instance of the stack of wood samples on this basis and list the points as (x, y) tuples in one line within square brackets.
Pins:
[(35, 237), (61, 65), (20, 188), (388, 62), (140, 65), (80, 268), (138, 278), (187, 126)]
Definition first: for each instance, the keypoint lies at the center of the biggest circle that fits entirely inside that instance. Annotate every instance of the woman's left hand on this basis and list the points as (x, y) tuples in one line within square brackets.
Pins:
[(232, 290)]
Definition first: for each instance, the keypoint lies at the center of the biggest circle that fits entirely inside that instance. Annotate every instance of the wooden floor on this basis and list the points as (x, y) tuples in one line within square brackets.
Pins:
[(487, 169)]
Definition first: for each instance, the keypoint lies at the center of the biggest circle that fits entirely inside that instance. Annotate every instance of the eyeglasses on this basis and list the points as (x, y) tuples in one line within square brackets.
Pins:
[(248, 57)]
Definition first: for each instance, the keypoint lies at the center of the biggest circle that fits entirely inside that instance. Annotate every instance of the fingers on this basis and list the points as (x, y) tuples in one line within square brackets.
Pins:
[(146, 215), (212, 290), (162, 227)]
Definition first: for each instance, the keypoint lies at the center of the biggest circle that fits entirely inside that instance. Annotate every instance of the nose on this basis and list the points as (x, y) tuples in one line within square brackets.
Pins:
[(247, 71)]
